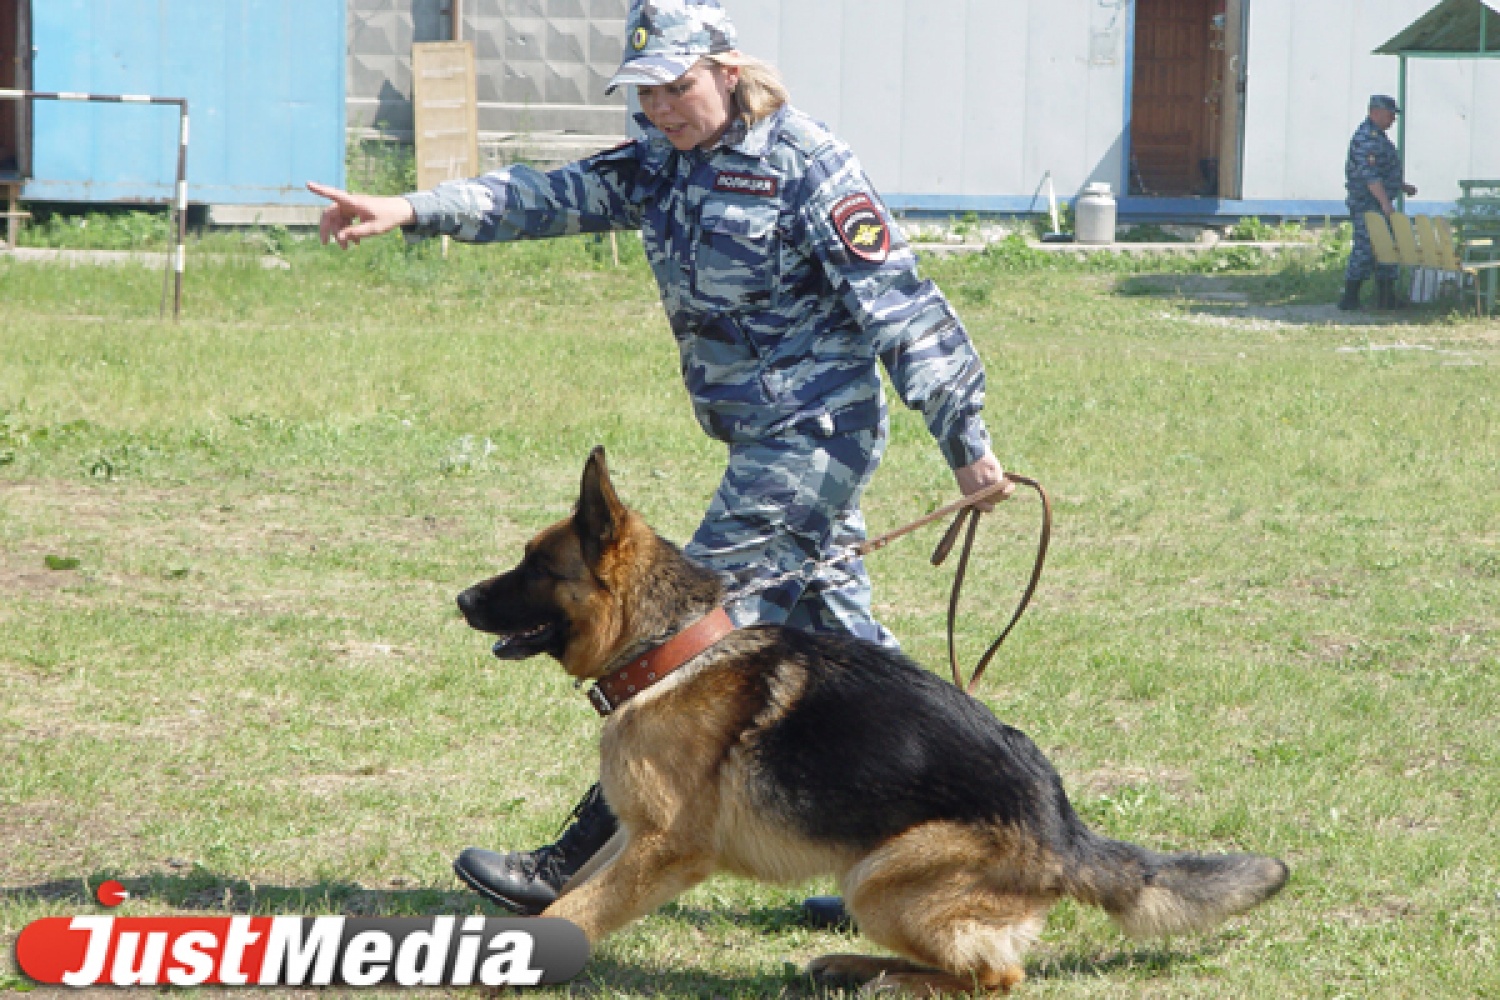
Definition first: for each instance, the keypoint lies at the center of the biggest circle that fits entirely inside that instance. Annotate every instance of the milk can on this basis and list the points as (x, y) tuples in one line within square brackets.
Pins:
[(1094, 214)]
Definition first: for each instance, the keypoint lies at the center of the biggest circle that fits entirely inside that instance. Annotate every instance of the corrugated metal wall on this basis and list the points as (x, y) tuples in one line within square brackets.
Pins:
[(956, 103), (264, 80), (542, 64), (1310, 78), (967, 104)]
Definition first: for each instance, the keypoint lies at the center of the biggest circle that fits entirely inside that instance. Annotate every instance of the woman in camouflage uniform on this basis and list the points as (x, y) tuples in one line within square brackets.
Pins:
[(784, 280)]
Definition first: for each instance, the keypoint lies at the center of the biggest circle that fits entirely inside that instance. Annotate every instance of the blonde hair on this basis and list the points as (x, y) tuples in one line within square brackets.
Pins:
[(760, 92)]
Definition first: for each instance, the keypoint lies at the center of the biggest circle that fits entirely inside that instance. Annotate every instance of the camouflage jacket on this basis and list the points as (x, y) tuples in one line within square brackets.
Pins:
[(1372, 157), (782, 276)]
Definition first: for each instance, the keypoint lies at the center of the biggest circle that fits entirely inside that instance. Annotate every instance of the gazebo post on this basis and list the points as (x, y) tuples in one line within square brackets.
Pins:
[(1401, 127)]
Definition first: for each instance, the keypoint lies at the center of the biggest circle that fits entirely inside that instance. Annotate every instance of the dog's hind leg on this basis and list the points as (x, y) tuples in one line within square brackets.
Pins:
[(934, 895), (648, 871)]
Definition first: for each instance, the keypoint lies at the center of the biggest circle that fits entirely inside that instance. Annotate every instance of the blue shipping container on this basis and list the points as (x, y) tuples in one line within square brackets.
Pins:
[(264, 81)]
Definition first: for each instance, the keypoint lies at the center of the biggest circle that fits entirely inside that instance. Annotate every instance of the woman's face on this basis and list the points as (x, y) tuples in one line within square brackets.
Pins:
[(695, 109)]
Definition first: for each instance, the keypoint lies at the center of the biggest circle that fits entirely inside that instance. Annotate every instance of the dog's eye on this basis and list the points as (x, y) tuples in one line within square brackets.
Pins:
[(546, 569)]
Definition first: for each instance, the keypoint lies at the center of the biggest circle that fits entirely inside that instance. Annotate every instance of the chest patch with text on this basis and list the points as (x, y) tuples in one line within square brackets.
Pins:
[(733, 182), (862, 228)]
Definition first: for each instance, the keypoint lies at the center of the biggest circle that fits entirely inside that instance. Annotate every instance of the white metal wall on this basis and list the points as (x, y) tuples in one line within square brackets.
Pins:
[(1311, 73), (958, 104), (953, 104), (948, 101)]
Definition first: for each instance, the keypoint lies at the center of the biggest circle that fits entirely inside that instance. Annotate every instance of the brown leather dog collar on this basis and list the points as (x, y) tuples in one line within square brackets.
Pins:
[(613, 690)]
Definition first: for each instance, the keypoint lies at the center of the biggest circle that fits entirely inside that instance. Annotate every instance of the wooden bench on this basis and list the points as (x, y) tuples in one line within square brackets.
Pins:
[(1429, 242)]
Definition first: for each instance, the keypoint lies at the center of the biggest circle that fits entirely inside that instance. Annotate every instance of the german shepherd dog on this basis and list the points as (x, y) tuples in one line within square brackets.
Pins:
[(780, 755)]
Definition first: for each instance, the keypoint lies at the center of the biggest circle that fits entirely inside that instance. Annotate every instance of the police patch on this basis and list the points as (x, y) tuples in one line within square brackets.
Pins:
[(862, 228), (639, 38), (733, 182)]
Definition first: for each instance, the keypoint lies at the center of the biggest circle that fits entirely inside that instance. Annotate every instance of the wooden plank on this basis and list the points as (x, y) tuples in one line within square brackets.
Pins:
[(445, 109)]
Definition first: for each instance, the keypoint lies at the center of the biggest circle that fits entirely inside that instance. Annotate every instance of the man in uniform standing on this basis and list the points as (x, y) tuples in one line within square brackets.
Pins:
[(1372, 177)]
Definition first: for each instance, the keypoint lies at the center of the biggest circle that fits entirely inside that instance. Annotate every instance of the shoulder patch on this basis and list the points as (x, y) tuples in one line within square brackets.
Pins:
[(735, 182), (862, 228)]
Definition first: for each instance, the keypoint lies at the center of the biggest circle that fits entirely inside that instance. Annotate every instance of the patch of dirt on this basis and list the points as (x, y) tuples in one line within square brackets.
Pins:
[(1385, 911), (1112, 778), (1222, 302)]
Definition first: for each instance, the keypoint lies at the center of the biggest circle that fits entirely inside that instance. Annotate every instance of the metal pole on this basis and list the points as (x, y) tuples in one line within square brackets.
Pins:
[(180, 263), (177, 258), (1401, 130)]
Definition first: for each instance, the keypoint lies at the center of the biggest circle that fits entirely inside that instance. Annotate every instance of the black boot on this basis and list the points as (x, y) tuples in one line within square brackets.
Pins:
[(1386, 289), (826, 913), (527, 882), (1350, 301)]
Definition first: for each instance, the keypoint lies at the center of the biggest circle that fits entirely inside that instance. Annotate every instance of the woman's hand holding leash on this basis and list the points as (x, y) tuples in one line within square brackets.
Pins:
[(981, 475), (353, 217)]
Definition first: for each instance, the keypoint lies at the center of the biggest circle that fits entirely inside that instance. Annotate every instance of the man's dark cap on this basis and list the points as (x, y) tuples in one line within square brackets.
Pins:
[(1384, 102)]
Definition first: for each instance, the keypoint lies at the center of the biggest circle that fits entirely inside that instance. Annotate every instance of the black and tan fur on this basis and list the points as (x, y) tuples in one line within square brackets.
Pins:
[(782, 755)]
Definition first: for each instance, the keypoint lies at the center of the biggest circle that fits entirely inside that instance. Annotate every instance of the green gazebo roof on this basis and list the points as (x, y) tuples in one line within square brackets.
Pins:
[(1452, 28)]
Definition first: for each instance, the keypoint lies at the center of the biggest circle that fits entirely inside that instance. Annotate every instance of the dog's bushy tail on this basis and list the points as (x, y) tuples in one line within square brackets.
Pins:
[(1153, 895)]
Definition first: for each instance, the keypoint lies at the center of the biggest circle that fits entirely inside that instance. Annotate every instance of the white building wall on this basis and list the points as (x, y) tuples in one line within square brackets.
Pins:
[(956, 103), (1311, 73), (967, 104)]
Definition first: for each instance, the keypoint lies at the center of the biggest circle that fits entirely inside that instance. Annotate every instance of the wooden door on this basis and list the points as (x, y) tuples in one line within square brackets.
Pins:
[(1173, 134)]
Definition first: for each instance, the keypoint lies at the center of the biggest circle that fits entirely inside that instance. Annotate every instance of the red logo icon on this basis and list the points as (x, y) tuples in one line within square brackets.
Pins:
[(111, 893)]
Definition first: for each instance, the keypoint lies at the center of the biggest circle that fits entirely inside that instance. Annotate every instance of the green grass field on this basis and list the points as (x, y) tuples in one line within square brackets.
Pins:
[(232, 675)]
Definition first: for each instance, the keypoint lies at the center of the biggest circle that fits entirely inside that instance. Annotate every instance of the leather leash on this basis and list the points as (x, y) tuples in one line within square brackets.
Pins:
[(610, 691), (967, 513)]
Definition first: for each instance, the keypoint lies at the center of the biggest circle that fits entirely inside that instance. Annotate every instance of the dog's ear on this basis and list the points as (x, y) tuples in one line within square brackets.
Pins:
[(600, 512)]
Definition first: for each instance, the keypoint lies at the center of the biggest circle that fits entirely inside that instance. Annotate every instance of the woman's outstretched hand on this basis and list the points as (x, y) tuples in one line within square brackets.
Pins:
[(353, 217)]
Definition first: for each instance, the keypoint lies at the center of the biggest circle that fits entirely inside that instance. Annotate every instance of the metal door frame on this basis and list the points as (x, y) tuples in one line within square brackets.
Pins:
[(22, 56)]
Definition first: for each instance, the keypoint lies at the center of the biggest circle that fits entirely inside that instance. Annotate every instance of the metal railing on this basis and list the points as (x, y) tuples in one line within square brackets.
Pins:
[(177, 259)]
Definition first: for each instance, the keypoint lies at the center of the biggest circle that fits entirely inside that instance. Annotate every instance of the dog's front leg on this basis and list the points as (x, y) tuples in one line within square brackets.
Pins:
[(651, 869)]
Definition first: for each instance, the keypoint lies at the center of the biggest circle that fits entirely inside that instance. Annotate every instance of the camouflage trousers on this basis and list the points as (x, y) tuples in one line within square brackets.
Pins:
[(782, 502), (1362, 256)]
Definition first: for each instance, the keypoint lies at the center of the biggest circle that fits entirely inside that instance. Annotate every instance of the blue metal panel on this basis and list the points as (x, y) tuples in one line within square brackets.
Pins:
[(264, 80)]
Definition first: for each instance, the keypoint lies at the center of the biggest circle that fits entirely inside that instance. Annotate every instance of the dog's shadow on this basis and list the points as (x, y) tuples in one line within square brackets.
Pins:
[(201, 891)]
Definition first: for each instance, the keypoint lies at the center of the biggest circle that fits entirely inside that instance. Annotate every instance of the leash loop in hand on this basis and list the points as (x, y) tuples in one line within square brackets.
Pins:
[(968, 516)]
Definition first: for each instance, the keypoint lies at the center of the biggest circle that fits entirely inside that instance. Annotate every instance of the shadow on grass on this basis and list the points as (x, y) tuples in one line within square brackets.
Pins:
[(202, 891), (1300, 298), (1146, 961)]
